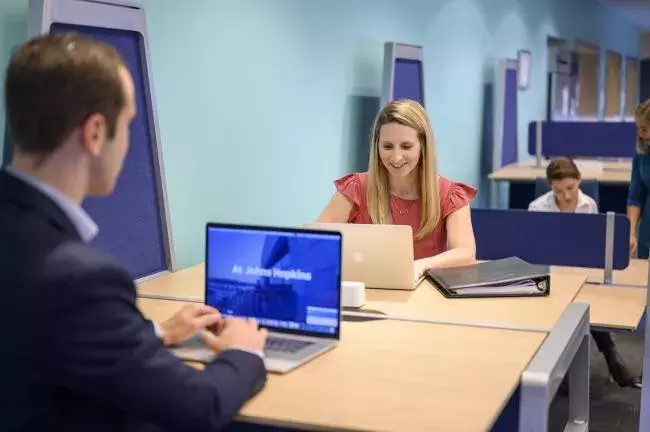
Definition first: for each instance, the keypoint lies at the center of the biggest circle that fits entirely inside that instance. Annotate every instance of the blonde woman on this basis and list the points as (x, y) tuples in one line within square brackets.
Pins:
[(638, 205), (402, 186)]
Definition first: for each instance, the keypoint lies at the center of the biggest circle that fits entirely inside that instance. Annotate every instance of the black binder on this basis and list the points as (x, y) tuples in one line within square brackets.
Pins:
[(507, 277)]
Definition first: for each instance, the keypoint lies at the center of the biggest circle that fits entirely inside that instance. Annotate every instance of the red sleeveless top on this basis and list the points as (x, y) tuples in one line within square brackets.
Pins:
[(453, 195)]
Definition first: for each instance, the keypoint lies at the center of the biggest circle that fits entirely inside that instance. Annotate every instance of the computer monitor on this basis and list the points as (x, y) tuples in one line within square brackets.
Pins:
[(288, 279), (403, 73)]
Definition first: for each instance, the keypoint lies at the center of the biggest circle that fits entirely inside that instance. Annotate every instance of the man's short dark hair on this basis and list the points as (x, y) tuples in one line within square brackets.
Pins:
[(54, 83)]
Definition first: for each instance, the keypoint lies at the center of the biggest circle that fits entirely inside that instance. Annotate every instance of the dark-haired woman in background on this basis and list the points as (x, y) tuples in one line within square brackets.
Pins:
[(563, 177)]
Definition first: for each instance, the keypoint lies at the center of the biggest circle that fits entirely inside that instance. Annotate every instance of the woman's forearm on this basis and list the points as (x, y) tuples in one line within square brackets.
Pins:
[(451, 258), (633, 213)]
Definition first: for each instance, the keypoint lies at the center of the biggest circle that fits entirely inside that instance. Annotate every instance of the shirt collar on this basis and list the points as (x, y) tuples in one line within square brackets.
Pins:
[(582, 201), (84, 224)]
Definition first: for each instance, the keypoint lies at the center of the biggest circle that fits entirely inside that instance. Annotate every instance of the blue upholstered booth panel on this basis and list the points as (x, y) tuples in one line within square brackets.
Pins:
[(130, 221), (563, 239), (584, 139), (407, 82), (509, 144)]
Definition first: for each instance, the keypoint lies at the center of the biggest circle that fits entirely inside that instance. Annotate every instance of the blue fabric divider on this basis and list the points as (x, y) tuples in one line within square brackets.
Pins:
[(563, 239), (585, 139), (407, 82), (509, 143), (130, 220)]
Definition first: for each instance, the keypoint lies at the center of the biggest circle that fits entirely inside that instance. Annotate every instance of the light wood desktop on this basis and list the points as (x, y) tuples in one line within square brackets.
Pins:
[(390, 375), (618, 306), (613, 307), (635, 274), (522, 312), (425, 302), (612, 172)]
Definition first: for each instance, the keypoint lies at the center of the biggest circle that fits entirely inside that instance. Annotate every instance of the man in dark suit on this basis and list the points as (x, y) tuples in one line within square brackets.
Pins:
[(77, 354)]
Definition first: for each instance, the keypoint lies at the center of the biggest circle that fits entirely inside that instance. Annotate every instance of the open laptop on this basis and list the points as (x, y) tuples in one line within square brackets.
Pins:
[(288, 279), (380, 256)]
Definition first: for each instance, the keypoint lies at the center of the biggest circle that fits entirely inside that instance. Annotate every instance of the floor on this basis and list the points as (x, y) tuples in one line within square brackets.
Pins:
[(613, 409)]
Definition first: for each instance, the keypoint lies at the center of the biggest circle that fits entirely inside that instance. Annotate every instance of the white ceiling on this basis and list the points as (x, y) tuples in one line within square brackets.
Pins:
[(637, 11)]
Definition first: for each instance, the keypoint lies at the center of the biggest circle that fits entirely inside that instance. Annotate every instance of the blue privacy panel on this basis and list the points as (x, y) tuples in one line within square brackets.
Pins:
[(565, 239), (130, 220), (509, 144), (408, 80), (585, 139)]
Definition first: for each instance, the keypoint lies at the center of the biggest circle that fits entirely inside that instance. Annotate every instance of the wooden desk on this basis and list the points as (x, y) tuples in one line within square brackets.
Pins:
[(612, 173), (531, 312), (635, 274), (189, 282), (394, 376), (425, 302), (613, 307)]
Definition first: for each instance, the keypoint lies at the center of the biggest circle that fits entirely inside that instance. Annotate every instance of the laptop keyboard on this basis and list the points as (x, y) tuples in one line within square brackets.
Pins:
[(290, 346)]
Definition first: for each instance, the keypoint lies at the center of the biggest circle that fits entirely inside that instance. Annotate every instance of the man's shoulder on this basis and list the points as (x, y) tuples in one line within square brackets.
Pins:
[(84, 265)]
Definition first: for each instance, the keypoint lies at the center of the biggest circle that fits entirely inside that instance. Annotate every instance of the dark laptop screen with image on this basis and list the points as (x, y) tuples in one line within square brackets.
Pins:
[(284, 279)]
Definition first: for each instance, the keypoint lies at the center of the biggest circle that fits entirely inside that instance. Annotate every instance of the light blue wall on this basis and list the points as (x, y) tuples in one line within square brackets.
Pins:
[(255, 98), (262, 103), (13, 31)]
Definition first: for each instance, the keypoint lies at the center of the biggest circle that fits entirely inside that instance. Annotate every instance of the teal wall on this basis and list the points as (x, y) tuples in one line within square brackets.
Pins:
[(262, 103), (13, 31)]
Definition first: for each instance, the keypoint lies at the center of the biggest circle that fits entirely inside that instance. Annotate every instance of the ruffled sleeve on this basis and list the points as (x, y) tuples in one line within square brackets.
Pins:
[(352, 186), (457, 195)]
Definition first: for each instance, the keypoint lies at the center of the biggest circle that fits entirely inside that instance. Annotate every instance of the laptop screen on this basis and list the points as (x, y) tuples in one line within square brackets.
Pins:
[(286, 279)]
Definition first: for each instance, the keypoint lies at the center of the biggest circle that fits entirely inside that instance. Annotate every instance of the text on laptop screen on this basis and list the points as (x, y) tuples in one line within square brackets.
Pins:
[(286, 280)]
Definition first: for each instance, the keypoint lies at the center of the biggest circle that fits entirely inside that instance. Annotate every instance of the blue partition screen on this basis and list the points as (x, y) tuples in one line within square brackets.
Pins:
[(563, 239), (408, 80), (509, 144), (130, 222), (584, 139)]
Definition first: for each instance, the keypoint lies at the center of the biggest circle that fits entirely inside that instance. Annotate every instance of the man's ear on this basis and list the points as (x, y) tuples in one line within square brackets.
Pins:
[(93, 133)]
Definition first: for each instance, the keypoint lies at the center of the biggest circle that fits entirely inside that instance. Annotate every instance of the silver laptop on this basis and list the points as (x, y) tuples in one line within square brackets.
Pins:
[(289, 279), (380, 256)]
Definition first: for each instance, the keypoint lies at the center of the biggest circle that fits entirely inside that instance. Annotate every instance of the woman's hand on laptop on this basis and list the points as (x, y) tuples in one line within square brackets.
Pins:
[(237, 333), (419, 267), (187, 322)]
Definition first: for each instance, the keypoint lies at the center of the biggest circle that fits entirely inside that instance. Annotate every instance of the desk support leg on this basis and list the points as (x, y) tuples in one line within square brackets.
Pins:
[(608, 275), (579, 389), (644, 421), (564, 352)]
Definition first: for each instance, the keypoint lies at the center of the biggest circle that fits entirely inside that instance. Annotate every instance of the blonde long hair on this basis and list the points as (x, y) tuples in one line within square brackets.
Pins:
[(408, 113), (642, 118)]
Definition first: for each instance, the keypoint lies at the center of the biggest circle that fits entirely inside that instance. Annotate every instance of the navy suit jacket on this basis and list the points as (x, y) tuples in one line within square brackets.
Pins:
[(77, 354)]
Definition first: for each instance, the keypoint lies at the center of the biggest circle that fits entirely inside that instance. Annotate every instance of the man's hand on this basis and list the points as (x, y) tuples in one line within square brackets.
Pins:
[(187, 322), (236, 333)]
